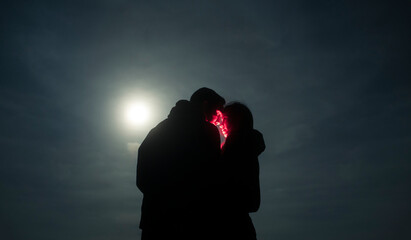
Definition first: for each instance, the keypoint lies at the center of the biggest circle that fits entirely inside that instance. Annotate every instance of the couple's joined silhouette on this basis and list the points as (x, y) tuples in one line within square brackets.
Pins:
[(193, 189)]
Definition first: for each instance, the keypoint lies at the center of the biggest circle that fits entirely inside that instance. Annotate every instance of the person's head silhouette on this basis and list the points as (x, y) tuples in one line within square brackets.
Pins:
[(238, 117), (209, 102)]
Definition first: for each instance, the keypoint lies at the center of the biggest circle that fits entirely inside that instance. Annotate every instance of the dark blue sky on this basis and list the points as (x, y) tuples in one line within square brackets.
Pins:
[(328, 83)]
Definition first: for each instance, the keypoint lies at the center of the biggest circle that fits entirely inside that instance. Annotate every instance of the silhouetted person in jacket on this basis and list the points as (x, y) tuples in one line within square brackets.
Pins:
[(240, 182), (175, 170)]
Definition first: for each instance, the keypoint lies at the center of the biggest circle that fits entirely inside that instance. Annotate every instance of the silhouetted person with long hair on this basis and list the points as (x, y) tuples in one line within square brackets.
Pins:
[(240, 184), (175, 170)]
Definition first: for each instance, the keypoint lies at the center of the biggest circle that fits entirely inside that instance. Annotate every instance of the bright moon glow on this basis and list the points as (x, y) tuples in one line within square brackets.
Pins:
[(136, 114)]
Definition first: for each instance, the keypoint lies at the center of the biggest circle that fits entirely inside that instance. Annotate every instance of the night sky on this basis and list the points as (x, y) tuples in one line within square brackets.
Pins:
[(328, 83)]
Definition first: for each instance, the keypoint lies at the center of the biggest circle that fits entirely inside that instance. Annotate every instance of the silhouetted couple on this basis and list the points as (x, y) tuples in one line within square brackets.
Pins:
[(192, 188)]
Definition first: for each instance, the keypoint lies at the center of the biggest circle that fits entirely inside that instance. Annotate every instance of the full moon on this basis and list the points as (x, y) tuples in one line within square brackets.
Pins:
[(136, 114)]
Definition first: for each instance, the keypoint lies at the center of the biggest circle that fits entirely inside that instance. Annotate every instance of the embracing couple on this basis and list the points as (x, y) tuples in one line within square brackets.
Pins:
[(194, 187)]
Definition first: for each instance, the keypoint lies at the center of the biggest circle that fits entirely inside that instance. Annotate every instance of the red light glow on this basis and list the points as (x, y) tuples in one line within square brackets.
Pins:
[(218, 121)]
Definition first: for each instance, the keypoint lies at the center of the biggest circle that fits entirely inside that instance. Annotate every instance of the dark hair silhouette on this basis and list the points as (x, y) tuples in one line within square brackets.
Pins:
[(239, 116), (207, 95)]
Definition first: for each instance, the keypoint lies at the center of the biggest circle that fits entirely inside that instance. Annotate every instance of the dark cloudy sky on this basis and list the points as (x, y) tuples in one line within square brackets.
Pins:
[(328, 83)]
